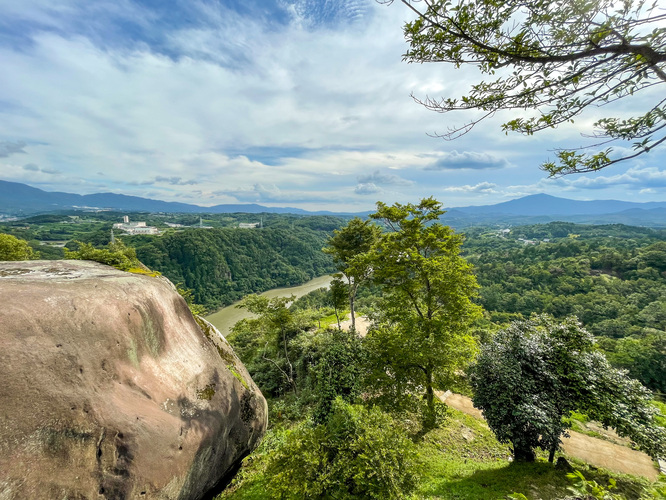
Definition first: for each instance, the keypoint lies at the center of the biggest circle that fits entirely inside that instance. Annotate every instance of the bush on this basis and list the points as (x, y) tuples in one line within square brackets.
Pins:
[(115, 254), (338, 372), (357, 453), (11, 248)]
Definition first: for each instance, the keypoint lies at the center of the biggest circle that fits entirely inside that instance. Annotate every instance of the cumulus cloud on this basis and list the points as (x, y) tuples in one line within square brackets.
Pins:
[(383, 179), (367, 188), (8, 148), (481, 187), (267, 193), (637, 177), (467, 160), (176, 181)]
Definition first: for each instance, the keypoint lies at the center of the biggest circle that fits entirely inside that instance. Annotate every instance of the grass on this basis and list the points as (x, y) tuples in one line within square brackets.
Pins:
[(462, 460), (331, 320)]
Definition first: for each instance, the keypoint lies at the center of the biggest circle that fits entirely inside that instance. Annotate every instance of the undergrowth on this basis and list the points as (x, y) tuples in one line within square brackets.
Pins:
[(460, 460)]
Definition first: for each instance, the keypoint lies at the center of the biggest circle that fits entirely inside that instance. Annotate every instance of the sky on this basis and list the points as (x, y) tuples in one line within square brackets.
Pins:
[(299, 103)]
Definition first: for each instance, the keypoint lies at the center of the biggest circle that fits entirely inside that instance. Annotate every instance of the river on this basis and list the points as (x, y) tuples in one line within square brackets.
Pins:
[(227, 317)]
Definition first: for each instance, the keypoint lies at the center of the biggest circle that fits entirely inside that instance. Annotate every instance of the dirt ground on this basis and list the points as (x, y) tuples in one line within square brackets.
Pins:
[(362, 324), (594, 451)]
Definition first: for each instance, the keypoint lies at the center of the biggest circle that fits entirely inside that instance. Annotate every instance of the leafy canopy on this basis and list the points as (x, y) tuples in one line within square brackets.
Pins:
[(357, 453), (115, 254), (349, 247), (12, 248), (534, 373), (423, 334), (553, 57)]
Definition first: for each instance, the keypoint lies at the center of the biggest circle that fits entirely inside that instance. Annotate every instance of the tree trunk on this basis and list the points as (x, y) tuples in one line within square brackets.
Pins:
[(551, 455), (523, 453), (429, 421), (352, 299), (291, 368)]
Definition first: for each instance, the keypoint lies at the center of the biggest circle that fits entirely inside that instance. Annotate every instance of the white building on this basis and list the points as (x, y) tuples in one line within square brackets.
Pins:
[(135, 227)]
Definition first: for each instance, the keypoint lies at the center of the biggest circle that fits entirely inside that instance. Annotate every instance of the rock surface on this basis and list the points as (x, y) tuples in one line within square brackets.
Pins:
[(109, 388)]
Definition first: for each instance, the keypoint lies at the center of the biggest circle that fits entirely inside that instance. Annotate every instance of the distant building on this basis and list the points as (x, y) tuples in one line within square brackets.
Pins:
[(250, 225), (135, 227)]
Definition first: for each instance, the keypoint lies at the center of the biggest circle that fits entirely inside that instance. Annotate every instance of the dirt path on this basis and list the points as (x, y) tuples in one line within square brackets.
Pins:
[(594, 451), (362, 325)]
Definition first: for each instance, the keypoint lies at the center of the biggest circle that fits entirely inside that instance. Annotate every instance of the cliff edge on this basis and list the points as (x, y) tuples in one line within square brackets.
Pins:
[(110, 388)]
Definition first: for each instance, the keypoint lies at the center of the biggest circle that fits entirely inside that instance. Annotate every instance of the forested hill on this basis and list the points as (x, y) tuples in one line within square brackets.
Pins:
[(222, 265), (612, 278)]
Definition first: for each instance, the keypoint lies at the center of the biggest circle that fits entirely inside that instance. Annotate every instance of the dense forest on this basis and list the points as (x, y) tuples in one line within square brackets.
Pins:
[(222, 265), (612, 278)]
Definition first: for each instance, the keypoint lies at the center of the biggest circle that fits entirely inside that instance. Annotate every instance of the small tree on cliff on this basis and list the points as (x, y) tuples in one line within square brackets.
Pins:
[(424, 332), (534, 373), (348, 247), (267, 337)]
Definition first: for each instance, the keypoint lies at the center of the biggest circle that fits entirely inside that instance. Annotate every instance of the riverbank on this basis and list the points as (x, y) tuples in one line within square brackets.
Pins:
[(224, 319)]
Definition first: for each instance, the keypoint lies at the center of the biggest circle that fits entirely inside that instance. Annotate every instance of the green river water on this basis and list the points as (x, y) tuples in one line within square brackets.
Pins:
[(227, 317)]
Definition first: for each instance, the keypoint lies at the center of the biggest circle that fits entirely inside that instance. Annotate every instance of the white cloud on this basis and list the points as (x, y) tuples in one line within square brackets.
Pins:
[(634, 178), (367, 188), (383, 179), (482, 187), (467, 160)]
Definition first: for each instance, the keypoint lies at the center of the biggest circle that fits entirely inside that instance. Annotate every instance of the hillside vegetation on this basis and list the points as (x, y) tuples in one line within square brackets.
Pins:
[(355, 417)]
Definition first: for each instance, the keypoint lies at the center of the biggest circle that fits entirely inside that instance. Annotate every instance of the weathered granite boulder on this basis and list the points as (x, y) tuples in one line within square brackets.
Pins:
[(109, 388)]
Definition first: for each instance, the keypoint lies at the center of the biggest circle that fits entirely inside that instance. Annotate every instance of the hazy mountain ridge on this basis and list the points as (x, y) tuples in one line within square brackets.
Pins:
[(544, 204), (21, 199)]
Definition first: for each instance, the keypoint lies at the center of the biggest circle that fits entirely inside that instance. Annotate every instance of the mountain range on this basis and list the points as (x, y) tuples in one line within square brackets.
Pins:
[(21, 199)]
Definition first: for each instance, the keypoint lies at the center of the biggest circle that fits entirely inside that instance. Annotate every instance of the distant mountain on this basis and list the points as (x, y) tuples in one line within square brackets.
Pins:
[(21, 199), (17, 198), (546, 205)]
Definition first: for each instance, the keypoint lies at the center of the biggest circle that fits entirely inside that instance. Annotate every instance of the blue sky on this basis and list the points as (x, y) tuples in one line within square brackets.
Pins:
[(302, 103)]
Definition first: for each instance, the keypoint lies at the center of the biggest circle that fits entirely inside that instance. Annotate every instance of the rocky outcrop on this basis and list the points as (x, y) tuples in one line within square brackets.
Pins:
[(109, 388)]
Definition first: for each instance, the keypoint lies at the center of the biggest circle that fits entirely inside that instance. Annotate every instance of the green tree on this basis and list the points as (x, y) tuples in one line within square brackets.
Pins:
[(534, 373), (12, 248), (278, 324), (563, 56), (115, 254), (348, 247), (339, 294), (338, 371), (357, 453), (643, 357), (424, 334)]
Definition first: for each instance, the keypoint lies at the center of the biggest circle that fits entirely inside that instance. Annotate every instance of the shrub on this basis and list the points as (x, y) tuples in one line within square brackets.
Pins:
[(357, 453), (12, 248), (115, 254)]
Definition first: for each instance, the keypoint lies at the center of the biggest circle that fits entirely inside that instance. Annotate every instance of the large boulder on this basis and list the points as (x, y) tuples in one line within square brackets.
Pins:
[(110, 388)]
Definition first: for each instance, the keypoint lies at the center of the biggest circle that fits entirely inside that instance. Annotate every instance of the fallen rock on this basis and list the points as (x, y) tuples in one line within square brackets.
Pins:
[(109, 388)]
